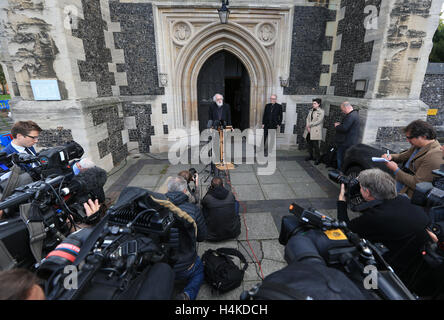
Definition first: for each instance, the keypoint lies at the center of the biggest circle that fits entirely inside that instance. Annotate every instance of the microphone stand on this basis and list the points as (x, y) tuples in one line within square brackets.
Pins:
[(212, 171)]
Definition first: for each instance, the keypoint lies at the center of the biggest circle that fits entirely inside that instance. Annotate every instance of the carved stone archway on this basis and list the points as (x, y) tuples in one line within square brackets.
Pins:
[(216, 37)]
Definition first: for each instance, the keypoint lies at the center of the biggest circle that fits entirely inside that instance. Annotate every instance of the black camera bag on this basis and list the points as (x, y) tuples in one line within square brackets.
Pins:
[(329, 158), (221, 273)]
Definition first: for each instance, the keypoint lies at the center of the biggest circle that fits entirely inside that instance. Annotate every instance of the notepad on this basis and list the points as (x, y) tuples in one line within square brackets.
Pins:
[(377, 159)]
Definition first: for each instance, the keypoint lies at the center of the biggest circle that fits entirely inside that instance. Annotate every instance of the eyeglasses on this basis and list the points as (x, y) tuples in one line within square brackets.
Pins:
[(410, 137), (32, 137)]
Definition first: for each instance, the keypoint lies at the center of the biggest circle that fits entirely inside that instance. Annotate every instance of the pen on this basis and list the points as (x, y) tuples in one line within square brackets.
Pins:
[(388, 153)]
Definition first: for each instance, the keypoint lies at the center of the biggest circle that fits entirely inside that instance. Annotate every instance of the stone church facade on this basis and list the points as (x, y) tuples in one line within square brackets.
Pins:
[(130, 72)]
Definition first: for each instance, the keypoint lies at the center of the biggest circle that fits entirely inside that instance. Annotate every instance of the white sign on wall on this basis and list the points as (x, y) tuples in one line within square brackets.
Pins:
[(45, 89)]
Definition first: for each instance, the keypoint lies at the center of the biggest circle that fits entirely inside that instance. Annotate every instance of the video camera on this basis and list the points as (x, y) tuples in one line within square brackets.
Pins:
[(40, 214), (117, 258), (430, 194), (312, 237), (352, 188), (47, 162)]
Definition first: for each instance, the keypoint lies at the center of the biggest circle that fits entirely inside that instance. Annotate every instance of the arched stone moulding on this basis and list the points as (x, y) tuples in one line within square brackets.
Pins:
[(216, 37)]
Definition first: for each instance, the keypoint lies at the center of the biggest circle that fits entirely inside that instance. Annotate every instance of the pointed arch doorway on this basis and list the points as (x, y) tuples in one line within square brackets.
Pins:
[(224, 73), (215, 38)]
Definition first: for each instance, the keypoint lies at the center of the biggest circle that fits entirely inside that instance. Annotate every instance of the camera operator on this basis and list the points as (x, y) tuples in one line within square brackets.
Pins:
[(221, 212), (25, 135), (95, 177), (188, 265), (418, 162), (92, 212), (390, 219)]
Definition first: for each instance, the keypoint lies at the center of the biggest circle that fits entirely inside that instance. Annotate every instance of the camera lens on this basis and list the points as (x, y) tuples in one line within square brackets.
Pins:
[(337, 177)]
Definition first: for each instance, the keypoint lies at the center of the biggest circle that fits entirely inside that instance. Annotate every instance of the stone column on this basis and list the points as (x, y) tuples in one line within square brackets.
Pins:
[(63, 40), (399, 61)]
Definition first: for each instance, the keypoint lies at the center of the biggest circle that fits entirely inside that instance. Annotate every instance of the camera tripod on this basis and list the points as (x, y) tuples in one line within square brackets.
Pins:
[(212, 171), (210, 168)]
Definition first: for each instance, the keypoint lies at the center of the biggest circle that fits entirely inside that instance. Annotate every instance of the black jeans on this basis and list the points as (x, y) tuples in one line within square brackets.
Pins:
[(313, 148)]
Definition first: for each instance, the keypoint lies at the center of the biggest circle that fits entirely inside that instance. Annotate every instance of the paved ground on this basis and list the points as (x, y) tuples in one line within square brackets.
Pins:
[(264, 200)]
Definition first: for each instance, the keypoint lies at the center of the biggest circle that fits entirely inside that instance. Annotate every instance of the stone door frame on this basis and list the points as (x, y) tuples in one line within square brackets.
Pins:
[(236, 40)]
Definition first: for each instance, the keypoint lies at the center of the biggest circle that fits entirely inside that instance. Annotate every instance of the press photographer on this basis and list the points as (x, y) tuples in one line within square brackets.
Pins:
[(391, 219), (52, 161), (128, 255), (221, 212), (188, 266), (430, 195), (327, 261), (192, 178), (39, 215)]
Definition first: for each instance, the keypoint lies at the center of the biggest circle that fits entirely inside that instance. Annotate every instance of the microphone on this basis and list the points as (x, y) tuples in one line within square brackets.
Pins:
[(209, 124), (90, 180)]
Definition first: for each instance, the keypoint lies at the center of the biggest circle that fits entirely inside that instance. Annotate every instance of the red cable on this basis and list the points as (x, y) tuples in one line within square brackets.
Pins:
[(245, 222)]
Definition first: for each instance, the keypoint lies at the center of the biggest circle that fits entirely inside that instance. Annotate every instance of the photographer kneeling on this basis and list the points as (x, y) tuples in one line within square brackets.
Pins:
[(390, 219), (221, 212), (188, 266), (191, 178)]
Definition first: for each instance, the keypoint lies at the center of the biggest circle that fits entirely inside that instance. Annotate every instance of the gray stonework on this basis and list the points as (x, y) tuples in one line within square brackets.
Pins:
[(97, 56), (433, 94), (302, 112), (54, 137), (113, 144), (31, 48), (138, 46), (308, 43), (142, 130), (353, 47), (106, 56)]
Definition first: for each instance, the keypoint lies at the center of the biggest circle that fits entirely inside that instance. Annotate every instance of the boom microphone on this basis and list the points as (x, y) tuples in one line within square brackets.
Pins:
[(90, 180)]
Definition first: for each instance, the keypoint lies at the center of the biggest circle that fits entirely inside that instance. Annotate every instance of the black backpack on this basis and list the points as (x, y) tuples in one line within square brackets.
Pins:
[(329, 158), (221, 273)]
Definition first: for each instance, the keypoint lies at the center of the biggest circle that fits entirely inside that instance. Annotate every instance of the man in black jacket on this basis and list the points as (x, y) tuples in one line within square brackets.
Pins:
[(188, 265), (220, 212), (390, 219), (347, 131), (272, 117), (219, 112)]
